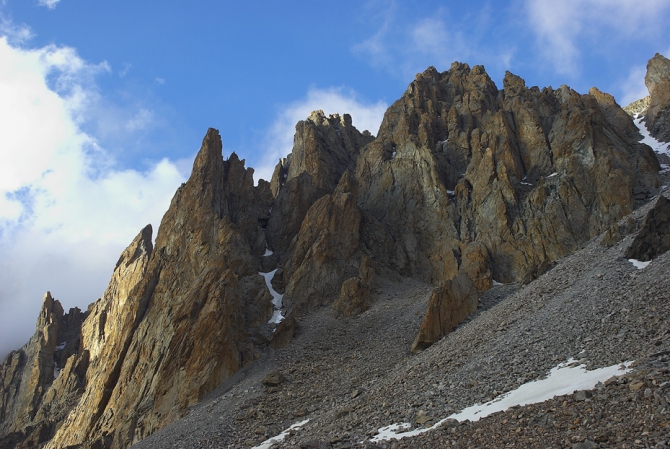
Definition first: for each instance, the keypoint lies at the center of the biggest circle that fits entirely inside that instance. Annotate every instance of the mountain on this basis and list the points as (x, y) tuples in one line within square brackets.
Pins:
[(465, 187)]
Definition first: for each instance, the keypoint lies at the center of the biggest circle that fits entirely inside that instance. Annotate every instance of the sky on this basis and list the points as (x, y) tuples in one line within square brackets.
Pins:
[(104, 104)]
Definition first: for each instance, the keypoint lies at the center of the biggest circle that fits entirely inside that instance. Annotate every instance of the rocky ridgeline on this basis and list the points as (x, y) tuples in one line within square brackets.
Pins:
[(463, 185)]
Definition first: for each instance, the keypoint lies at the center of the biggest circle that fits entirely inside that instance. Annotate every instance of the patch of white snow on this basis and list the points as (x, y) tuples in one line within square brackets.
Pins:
[(61, 346), (552, 175), (269, 442), (277, 317), (527, 183), (656, 145), (639, 264), (563, 379), (393, 155), (496, 282)]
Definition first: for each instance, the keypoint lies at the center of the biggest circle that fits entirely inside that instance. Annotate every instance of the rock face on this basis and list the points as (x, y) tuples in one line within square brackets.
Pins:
[(464, 184), (197, 303), (658, 84), (653, 239), (28, 374), (324, 148), (528, 174), (322, 254)]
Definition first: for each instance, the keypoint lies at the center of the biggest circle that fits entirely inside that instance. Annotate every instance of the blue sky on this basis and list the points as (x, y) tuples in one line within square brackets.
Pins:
[(104, 104)]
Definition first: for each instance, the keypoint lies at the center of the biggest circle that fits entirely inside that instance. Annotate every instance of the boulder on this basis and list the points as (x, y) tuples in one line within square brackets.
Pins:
[(653, 238), (448, 306)]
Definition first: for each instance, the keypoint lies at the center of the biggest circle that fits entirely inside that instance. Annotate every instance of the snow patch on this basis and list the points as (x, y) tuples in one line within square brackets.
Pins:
[(564, 379), (393, 155), (656, 145), (451, 192), (56, 371), (277, 317), (496, 282), (528, 183), (639, 264), (269, 442), (61, 346), (552, 175)]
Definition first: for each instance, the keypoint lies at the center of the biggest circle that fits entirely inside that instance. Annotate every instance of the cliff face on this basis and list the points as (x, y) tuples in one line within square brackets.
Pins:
[(657, 80), (198, 305), (466, 178), (464, 184), (30, 374), (530, 174)]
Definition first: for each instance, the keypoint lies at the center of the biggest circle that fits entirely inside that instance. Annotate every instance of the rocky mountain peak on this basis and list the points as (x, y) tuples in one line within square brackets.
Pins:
[(209, 158), (324, 148), (657, 80), (513, 84)]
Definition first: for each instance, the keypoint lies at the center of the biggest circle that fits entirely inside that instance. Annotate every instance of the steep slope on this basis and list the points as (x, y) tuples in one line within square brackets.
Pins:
[(467, 179), (349, 377)]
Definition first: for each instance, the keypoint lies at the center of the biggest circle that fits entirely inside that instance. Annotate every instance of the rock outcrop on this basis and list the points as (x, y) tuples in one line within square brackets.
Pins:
[(196, 307), (324, 148), (658, 84), (321, 256), (448, 306), (355, 293), (27, 375), (529, 174), (653, 238)]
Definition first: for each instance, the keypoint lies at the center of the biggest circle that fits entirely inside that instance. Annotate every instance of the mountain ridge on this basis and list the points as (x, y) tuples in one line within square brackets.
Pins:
[(464, 185)]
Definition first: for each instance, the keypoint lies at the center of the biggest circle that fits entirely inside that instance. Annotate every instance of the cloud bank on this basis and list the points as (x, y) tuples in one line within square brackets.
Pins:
[(561, 28), (66, 209), (51, 4)]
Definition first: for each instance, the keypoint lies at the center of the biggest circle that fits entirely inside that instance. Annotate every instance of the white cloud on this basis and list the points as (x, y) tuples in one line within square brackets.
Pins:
[(561, 27), (126, 68), (66, 209), (51, 4), (404, 44), (141, 120), (279, 139), (15, 34), (375, 49)]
